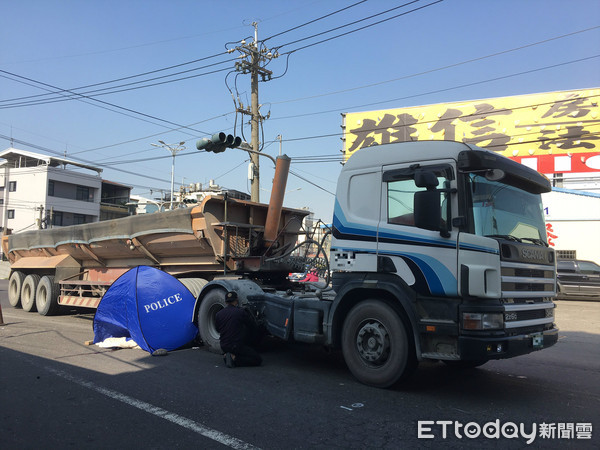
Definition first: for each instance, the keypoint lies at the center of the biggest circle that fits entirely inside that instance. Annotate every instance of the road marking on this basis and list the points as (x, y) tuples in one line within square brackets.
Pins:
[(184, 422)]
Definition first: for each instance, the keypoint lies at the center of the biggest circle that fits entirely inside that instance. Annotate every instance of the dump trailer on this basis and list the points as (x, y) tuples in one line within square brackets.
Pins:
[(75, 265), (438, 252)]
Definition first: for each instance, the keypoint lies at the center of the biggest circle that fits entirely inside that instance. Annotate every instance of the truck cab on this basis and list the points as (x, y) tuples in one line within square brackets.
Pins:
[(453, 238)]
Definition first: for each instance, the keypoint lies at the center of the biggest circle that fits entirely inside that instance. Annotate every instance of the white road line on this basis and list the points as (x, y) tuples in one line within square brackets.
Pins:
[(184, 422)]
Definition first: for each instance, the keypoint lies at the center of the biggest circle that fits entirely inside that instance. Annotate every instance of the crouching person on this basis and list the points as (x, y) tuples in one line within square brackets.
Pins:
[(237, 329)]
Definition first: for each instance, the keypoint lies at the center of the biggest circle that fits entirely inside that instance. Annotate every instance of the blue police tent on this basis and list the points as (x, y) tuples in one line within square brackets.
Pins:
[(149, 306)]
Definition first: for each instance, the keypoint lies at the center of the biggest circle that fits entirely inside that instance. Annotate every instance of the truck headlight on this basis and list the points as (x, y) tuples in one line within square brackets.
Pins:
[(482, 321)]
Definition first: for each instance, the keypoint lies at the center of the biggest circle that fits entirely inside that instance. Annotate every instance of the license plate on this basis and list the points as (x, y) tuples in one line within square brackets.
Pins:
[(538, 340)]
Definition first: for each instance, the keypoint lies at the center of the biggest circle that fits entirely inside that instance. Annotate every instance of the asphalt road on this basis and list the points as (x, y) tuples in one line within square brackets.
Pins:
[(57, 392)]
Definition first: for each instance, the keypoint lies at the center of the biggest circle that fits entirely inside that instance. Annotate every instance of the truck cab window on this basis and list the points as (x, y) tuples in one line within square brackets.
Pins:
[(502, 210), (400, 199)]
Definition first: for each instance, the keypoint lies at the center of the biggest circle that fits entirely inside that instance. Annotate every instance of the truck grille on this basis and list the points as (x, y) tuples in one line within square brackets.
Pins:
[(526, 288), (523, 280)]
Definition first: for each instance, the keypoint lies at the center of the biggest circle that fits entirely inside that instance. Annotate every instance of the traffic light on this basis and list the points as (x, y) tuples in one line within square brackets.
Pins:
[(218, 142)]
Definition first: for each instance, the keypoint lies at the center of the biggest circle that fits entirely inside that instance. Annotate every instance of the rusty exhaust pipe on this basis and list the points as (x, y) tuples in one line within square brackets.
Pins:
[(282, 168)]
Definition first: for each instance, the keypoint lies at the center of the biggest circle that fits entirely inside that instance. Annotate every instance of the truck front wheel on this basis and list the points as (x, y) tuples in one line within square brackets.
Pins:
[(46, 296), (212, 303), (376, 345), (15, 283), (30, 285)]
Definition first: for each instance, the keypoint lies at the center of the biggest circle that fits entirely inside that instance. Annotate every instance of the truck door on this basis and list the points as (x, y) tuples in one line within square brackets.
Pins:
[(425, 259)]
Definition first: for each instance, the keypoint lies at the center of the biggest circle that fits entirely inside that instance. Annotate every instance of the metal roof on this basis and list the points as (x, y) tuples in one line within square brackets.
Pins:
[(24, 158)]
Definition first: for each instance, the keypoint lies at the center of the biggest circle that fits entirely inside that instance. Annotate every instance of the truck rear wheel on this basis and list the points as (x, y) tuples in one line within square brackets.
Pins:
[(30, 285), (15, 283), (376, 345), (212, 303), (46, 296)]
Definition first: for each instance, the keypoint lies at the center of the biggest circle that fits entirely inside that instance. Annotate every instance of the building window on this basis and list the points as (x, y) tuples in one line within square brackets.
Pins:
[(78, 219), (57, 218), (11, 213), (12, 186), (51, 188), (1, 201), (84, 194)]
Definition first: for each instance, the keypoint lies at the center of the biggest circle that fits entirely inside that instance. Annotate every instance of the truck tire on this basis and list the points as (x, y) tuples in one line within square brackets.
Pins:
[(30, 285), (376, 346), (46, 296), (211, 304), (15, 283), (194, 285)]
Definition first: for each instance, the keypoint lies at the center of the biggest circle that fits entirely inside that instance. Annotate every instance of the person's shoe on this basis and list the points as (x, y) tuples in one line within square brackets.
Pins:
[(228, 360)]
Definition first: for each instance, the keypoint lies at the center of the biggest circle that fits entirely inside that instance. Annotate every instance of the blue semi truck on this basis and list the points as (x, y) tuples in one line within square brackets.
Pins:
[(438, 252)]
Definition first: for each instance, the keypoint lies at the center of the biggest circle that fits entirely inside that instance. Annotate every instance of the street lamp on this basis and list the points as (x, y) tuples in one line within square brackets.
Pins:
[(174, 149)]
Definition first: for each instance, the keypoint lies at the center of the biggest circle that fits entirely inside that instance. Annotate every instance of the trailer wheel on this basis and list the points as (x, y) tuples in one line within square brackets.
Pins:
[(30, 285), (376, 346), (212, 303), (14, 288), (46, 296)]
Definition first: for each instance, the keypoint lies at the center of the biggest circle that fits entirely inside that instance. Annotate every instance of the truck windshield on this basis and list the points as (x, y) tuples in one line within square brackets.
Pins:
[(501, 210)]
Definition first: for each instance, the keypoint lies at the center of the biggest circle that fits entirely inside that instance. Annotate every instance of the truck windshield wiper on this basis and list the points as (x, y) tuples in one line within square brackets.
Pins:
[(508, 237), (535, 241)]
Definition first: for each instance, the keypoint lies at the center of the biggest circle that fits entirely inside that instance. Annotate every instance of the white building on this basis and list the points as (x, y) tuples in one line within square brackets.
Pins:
[(573, 223), (37, 190)]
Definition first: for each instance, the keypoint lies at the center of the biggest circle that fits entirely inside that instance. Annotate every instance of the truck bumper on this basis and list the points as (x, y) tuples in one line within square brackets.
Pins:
[(486, 348)]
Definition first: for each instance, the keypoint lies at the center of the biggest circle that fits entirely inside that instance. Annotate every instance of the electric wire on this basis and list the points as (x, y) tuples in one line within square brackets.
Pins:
[(113, 90), (437, 91), (437, 69), (359, 29), (104, 103), (314, 20), (120, 79)]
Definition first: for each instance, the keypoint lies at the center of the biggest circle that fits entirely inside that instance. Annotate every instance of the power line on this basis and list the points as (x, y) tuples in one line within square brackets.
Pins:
[(314, 20), (426, 72), (437, 91), (146, 137), (310, 182), (361, 28), (126, 78), (102, 102), (85, 161), (351, 23), (112, 90), (378, 83)]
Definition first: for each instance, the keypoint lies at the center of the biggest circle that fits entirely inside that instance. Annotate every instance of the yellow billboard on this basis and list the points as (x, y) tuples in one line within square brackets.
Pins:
[(552, 123)]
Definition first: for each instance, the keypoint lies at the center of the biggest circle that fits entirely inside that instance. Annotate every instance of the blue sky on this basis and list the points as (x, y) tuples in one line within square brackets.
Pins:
[(68, 44)]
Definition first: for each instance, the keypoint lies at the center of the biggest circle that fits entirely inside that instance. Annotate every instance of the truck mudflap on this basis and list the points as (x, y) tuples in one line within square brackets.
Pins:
[(486, 348)]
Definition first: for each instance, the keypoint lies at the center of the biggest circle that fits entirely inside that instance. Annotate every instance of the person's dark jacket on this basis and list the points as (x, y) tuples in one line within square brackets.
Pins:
[(233, 323)]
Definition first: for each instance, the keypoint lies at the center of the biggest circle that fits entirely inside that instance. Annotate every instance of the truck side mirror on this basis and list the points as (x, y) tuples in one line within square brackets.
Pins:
[(426, 179), (428, 214)]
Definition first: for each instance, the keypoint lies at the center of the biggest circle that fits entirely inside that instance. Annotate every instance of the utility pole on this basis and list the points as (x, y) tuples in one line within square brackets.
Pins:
[(39, 221), (253, 62), (174, 149)]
